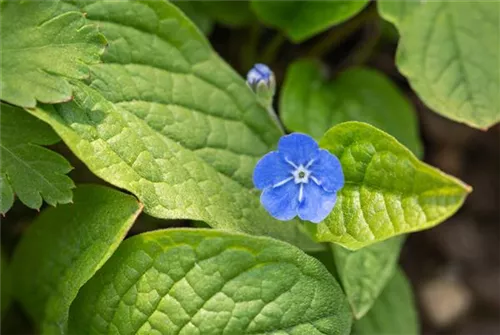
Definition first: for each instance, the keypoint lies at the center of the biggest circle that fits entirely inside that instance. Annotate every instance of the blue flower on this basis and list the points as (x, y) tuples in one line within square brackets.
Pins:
[(299, 179), (259, 73)]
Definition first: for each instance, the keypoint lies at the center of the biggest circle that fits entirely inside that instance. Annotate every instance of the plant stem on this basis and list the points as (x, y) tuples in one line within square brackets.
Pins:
[(364, 49), (340, 34), (271, 50), (248, 53)]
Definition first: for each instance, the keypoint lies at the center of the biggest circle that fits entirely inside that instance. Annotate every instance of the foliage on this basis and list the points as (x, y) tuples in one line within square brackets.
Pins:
[(27, 169), (178, 279), (312, 105), (438, 55), (43, 44), (388, 190), (393, 313), (136, 92), (64, 248)]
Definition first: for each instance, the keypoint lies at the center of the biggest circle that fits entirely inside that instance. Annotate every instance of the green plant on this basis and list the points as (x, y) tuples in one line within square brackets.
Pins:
[(134, 89)]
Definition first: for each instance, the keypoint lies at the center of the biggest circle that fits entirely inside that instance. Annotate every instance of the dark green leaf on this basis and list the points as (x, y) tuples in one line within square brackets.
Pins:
[(300, 20), (365, 272), (197, 15), (311, 105), (230, 13), (30, 171), (63, 249), (394, 313)]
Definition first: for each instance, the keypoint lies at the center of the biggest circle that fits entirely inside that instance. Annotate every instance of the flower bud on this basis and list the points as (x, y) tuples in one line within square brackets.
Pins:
[(261, 80)]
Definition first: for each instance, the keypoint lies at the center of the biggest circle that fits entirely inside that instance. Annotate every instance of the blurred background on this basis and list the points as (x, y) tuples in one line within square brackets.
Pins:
[(455, 267)]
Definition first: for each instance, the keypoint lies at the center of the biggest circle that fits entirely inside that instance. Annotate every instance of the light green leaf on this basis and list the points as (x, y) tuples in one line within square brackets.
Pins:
[(365, 272), (229, 13), (300, 20), (449, 53), (311, 105), (5, 284), (195, 281), (63, 249), (197, 15), (394, 313), (182, 132), (387, 190), (32, 172), (42, 45), (397, 11)]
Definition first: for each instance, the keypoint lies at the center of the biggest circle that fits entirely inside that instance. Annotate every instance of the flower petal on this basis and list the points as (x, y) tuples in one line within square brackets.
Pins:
[(282, 201), (298, 148), (271, 170), (328, 171), (317, 203)]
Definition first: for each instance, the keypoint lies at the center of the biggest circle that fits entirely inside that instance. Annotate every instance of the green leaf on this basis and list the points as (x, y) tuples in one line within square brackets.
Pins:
[(5, 284), (30, 171), (229, 13), (42, 45), (193, 281), (182, 132), (311, 104), (364, 273), (397, 11), (64, 248), (393, 313), (197, 15), (387, 191), (449, 53), (300, 20)]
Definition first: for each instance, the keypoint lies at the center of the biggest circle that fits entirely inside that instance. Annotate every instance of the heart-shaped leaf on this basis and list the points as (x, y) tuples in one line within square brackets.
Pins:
[(394, 312), (28, 170), (312, 105), (448, 51), (365, 272), (387, 191), (182, 131), (300, 20), (64, 247), (43, 44), (194, 281)]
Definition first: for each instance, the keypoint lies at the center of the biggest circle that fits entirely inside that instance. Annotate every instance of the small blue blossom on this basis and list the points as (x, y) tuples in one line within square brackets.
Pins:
[(259, 73), (299, 179)]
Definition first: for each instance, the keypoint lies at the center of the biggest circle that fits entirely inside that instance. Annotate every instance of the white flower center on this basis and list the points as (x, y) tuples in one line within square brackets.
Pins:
[(301, 175)]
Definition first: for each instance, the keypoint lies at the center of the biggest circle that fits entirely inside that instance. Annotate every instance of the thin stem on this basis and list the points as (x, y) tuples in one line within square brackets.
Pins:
[(248, 53), (271, 50), (340, 34), (364, 49)]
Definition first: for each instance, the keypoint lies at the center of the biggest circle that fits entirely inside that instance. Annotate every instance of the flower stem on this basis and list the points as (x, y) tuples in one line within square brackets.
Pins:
[(340, 34), (248, 53), (364, 49), (271, 50)]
